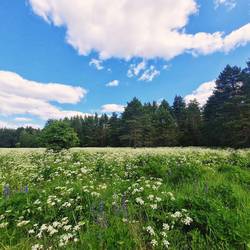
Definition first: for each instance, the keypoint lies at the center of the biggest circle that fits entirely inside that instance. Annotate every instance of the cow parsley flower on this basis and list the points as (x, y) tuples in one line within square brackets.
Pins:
[(37, 247), (165, 243), (177, 214), (4, 224), (23, 223), (154, 242), (139, 200), (151, 197), (150, 230), (187, 221), (153, 206), (166, 226)]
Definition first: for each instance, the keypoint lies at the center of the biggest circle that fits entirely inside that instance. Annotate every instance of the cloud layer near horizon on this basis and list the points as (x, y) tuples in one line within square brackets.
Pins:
[(22, 96), (147, 29)]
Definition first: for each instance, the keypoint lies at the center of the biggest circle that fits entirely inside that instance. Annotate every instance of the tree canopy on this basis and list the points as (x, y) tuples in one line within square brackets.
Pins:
[(224, 121), (59, 135)]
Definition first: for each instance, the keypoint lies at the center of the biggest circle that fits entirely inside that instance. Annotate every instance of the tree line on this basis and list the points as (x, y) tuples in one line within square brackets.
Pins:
[(224, 121)]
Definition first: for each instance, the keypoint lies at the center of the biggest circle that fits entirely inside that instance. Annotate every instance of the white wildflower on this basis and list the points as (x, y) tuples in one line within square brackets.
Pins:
[(151, 197), (177, 214), (187, 220), (3, 225), (150, 230), (153, 206), (139, 200), (166, 226), (31, 231), (166, 243), (154, 242), (23, 223), (37, 247)]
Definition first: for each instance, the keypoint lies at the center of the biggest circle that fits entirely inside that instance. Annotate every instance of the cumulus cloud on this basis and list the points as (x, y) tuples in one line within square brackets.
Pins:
[(19, 96), (202, 93), (149, 74), (142, 28), (113, 83), (109, 108), (229, 4), (96, 63), (13, 83)]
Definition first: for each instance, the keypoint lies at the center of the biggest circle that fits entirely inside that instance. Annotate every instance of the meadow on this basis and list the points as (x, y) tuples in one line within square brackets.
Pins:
[(125, 199)]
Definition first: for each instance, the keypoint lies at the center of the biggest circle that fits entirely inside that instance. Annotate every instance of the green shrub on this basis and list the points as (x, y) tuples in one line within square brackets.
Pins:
[(58, 135)]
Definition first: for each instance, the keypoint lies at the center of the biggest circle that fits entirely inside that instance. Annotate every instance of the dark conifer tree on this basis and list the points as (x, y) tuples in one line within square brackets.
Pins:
[(132, 126), (179, 111), (114, 131), (193, 124), (223, 107), (165, 127)]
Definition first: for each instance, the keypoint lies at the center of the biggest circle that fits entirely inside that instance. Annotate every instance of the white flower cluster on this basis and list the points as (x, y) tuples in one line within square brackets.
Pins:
[(3, 224), (80, 191), (158, 238), (182, 216), (37, 247)]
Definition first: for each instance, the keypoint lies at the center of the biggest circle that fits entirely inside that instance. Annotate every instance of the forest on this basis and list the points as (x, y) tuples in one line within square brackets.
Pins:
[(224, 121)]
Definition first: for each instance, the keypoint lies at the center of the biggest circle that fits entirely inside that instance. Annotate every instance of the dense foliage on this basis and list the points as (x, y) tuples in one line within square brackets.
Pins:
[(125, 199), (58, 135), (223, 122)]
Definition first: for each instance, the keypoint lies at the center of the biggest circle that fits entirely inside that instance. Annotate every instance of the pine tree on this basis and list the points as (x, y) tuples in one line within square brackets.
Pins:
[(165, 127), (193, 124), (114, 131), (179, 111), (102, 131), (242, 124), (223, 107), (132, 126), (147, 121)]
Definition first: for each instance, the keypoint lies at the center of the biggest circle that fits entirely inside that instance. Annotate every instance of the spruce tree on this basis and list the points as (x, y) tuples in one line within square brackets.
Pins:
[(132, 126)]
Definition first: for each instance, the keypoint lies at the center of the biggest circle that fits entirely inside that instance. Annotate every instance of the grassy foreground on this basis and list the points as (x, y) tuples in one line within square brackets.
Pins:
[(125, 199)]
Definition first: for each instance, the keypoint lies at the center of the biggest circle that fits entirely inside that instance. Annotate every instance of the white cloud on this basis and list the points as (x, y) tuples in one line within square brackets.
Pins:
[(18, 105), (135, 69), (149, 74), (97, 63), (143, 71), (229, 4), (19, 96), (12, 125), (127, 29), (113, 83), (23, 119), (202, 93), (13, 83), (237, 38), (109, 108)]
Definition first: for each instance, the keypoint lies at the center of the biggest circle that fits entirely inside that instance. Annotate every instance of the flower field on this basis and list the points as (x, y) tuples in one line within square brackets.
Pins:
[(125, 199)]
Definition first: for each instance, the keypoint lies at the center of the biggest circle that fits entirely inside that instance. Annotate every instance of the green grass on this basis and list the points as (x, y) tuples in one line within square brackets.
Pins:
[(125, 199)]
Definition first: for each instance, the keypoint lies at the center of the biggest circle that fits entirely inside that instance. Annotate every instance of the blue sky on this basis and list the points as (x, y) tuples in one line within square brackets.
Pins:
[(58, 58)]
